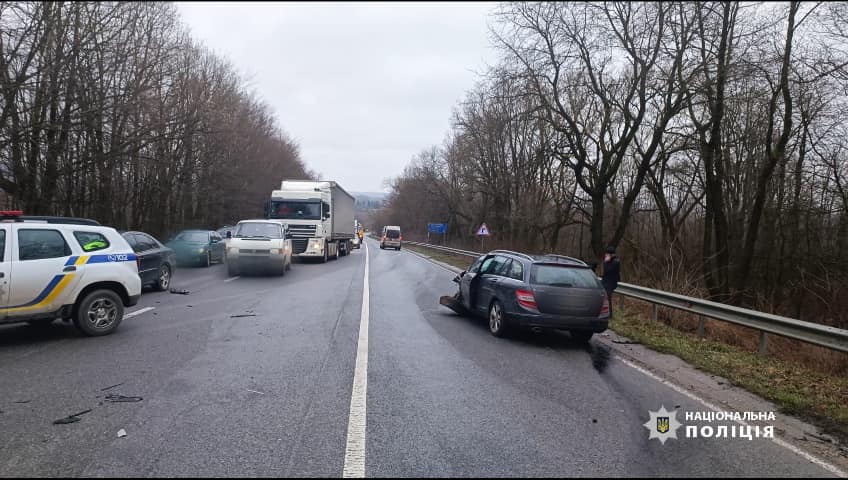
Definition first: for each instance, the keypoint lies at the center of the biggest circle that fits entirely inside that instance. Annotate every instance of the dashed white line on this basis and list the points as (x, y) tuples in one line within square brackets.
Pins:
[(231, 279), (138, 312), (354, 463), (830, 468)]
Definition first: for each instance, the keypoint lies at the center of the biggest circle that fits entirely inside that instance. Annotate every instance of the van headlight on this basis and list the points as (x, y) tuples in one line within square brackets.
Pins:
[(234, 250), (275, 251)]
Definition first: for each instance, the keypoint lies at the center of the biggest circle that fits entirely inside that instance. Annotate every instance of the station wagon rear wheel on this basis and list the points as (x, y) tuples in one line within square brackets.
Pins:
[(99, 313), (497, 320)]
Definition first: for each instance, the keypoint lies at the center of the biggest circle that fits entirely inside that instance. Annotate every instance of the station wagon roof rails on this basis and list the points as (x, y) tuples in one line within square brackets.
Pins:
[(518, 254), (566, 258)]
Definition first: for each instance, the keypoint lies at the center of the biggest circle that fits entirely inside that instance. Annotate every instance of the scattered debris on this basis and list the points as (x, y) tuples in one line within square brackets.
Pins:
[(22, 401), (243, 315), (254, 391), (122, 433), (189, 306), (179, 292), (113, 386), (594, 420), (122, 398), (71, 418)]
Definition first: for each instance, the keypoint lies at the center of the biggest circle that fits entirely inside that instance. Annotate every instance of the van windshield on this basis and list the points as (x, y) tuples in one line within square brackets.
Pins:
[(392, 234), (259, 230)]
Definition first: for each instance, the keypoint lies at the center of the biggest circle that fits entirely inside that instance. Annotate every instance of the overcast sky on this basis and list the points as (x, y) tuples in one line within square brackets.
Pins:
[(361, 87)]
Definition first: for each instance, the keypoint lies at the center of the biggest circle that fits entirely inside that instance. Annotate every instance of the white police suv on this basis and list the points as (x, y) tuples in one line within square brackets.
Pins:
[(58, 267)]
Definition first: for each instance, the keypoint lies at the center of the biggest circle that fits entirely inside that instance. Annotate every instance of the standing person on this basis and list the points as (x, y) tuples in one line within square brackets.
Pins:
[(612, 274)]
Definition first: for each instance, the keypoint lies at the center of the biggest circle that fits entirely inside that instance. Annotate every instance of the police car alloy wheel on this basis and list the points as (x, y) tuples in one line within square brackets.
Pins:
[(99, 313)]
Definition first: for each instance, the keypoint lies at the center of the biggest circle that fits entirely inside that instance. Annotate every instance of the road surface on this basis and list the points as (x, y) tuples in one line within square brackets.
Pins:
[(253, 376)]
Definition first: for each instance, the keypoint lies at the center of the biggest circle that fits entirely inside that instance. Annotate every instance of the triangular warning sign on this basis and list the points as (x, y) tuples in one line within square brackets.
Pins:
[(483, 231)]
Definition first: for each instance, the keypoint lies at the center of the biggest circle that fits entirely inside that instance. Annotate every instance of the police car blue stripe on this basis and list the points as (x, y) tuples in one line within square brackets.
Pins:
[(71, 261), (43, 294), (112, 257)]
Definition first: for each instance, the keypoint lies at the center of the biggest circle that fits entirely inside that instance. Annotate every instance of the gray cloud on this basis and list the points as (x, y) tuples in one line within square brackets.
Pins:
[(362, 87)]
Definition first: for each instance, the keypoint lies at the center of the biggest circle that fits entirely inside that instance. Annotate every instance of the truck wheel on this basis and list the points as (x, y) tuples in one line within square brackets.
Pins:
[(99, 313), (326, 255)]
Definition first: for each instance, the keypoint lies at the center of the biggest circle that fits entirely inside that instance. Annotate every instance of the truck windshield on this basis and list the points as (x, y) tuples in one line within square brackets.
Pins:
[(259, 230), (296, 210)]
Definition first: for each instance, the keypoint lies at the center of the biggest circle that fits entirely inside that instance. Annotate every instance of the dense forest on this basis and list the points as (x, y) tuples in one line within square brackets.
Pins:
[(111, 111), (705, 140)]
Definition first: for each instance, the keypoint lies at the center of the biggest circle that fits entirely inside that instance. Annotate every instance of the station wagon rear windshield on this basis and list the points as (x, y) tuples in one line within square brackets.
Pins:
[(392, 233), (563, 276)]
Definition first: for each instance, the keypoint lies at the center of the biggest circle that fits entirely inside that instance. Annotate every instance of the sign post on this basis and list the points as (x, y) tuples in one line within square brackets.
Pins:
[(482, 232)]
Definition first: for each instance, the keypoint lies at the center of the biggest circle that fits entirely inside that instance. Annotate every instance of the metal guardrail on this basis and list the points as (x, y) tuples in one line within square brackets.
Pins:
[(765, 323)]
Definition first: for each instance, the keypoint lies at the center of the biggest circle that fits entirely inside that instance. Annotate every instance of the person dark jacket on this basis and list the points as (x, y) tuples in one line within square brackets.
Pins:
[(612, 271)]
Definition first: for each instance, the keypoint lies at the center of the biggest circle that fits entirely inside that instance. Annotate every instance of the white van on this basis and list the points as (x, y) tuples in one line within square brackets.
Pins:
[(391, 237)]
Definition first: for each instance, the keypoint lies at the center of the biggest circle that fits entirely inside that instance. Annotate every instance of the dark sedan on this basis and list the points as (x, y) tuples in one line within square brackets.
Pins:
[(156, 261), (548, 291), (198, 247)]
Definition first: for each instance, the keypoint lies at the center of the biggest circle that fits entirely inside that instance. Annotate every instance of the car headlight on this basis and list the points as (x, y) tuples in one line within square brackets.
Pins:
[(201, 250)]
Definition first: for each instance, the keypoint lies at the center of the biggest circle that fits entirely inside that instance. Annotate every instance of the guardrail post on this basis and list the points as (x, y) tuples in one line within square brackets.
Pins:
[(763, 343), (701, 326), (654, 312)]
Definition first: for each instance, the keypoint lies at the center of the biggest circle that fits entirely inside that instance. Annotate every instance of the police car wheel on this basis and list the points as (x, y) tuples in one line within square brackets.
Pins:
[(99, 313), (163, 280)]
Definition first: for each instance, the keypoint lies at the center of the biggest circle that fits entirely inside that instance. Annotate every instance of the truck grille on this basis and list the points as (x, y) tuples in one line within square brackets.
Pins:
[(299, 245), (302, 231)]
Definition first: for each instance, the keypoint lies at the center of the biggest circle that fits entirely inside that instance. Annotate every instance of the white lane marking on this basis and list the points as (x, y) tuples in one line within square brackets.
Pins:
[(354, 463), (830, 468), (231, 279), (254, 391), (138, 312)]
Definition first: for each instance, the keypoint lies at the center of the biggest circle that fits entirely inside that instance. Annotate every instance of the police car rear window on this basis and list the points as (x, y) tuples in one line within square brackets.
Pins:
[(91, 241), (41, 244)]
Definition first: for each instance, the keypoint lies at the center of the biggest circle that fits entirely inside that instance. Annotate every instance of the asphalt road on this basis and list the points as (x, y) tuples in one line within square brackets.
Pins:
[(270, 394)]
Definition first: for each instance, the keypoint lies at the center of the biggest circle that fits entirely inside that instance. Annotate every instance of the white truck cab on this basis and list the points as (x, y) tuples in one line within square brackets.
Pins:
[(319, 214), (78, 271)]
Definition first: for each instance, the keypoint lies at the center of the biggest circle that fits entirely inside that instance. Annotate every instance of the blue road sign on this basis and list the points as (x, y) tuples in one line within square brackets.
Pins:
[(437, 228)]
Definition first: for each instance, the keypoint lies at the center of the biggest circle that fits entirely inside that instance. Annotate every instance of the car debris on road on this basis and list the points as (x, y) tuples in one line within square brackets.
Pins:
[(70, 418)]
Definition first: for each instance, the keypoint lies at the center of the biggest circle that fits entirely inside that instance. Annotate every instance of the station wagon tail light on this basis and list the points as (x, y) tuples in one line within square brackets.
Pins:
[(605, 308), (526, 299)]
